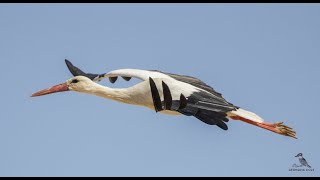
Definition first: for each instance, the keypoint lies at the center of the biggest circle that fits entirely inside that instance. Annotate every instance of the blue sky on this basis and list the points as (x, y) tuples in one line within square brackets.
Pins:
[(261, 57)]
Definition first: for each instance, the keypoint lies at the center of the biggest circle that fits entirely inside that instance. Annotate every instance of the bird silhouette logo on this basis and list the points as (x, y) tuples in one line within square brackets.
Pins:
[(302, 160)]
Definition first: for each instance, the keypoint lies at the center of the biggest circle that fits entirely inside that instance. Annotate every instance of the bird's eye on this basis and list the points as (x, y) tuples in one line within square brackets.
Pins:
[(75, 81)]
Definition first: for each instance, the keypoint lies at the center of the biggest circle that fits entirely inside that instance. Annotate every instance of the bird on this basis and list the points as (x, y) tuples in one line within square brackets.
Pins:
[(302, 160), (166, 93)]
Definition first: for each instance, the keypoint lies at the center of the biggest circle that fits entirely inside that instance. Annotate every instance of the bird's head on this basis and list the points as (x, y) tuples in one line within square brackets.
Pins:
[(77, 83), (298, 155)]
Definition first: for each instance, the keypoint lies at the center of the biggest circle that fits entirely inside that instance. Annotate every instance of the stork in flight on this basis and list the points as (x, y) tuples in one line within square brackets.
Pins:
[(166, 93)]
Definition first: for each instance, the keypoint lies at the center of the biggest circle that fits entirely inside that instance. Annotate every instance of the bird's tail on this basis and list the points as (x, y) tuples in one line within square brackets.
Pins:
[(308, 166), (252, 118)]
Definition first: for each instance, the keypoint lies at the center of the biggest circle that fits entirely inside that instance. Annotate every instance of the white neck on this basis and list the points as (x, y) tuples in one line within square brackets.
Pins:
[(117, 94)]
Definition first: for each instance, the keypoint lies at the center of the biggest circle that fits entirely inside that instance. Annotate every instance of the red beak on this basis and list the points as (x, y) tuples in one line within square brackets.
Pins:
[(53, 89)]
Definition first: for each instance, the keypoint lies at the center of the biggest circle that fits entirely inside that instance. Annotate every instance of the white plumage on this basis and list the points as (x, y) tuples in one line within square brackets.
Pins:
[(166, 93)]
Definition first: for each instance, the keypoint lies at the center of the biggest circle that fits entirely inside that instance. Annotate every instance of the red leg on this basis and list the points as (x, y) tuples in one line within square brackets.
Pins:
[(279, 128)]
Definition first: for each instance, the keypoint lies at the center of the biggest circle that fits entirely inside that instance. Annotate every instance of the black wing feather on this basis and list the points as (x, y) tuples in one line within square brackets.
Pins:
[(167, 98), (77, 72), (126, 78), (193, 81), (155, 96), (113, 79), (199, 104)]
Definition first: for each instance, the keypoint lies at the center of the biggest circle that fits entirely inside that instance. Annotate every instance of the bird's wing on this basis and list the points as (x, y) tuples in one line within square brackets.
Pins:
[(207, 108), (193, 81), (200, 104), (126, 74), (75, 71)]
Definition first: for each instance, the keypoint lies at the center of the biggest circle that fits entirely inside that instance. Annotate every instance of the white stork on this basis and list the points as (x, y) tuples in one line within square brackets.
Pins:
[(166, 93)]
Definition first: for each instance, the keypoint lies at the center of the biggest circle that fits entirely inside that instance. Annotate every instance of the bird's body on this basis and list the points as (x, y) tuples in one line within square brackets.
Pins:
[(140, 94), (166, 93), (302, 160)]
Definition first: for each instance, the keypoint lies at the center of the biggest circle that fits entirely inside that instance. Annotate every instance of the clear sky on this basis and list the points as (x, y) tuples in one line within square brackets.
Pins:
[(262, 57)]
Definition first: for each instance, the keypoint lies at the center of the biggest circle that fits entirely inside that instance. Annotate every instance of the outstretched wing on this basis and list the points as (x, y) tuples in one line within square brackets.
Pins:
[(198, 104), (77, 72)]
